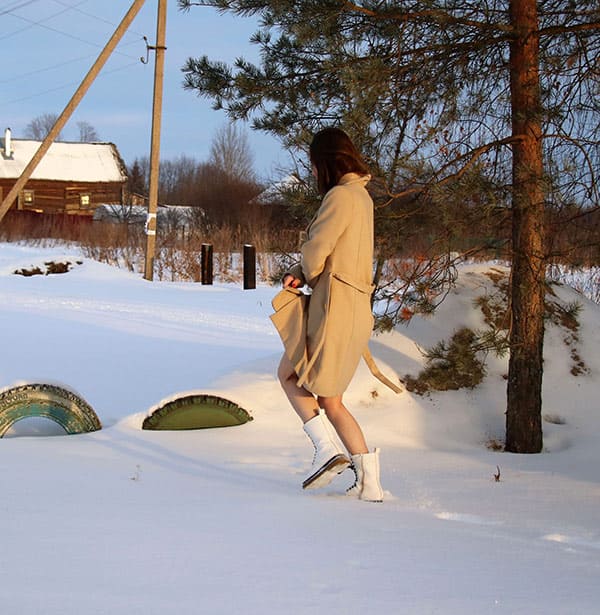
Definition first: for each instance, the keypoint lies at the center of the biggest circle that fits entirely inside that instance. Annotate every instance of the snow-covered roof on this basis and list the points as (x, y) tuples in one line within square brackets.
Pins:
[(85, 162), (276, 191)]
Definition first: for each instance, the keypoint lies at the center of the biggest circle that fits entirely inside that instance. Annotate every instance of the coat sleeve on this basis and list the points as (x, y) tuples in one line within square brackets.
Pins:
[(296, 271), (333, 218)]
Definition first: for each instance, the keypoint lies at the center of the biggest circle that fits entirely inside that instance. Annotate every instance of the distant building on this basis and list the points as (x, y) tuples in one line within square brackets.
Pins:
[(278, 192), (72, 178), (168, 216)]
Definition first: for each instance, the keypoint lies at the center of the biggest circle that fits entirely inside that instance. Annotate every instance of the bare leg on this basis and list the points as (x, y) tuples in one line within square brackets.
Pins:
[(303, 402), (345, 424)]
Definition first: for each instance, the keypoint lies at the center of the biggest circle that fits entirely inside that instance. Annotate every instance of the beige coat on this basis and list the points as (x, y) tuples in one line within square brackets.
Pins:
[(337, 264)]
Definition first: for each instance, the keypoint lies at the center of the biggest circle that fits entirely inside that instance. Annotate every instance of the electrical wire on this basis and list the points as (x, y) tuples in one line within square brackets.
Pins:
[(53, 67), (45, 69), (67, 85), (10, 9), (42, 24), (92, 16), (56, 30), (33, 23)]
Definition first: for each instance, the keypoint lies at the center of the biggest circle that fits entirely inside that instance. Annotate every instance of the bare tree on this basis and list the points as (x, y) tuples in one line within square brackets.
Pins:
[(230, 152), (40, 126), (87, 133)]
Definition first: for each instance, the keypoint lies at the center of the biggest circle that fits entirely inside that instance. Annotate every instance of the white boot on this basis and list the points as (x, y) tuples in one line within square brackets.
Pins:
[(329, 459), (366, 486)]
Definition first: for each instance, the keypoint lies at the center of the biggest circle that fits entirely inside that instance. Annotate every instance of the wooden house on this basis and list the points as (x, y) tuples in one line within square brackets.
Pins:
[(72, 178)]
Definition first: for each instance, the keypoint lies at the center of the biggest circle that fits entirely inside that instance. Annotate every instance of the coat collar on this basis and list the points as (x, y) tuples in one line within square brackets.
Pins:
[(346, 180), (354, 178)]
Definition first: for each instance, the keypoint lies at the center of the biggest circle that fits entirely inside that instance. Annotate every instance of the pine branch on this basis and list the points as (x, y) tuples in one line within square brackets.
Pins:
[(439, 17)]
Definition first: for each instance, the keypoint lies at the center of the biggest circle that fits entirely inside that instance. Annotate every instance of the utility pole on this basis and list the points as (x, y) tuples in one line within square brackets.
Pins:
[(71, 106), (159, 62)]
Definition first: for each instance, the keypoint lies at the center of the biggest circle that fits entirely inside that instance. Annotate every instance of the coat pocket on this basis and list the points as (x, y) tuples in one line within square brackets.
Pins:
[(361, 287)]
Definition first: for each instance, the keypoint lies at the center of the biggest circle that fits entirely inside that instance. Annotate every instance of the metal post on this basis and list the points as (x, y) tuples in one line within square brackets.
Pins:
[(206, 263), (249, 267), (71, 106), (159, 63)]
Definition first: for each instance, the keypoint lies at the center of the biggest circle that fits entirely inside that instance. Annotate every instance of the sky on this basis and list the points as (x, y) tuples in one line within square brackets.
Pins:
[(48, 46)]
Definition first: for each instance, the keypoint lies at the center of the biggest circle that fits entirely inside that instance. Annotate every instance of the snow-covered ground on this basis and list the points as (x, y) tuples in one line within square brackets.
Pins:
[(125, 521)]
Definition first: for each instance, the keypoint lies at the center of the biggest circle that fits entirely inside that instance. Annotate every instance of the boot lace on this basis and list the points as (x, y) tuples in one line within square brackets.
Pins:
[(354, 487)]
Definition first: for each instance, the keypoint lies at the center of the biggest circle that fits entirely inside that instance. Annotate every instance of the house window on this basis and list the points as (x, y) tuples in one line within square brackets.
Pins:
[(28, 197), (85, 200)]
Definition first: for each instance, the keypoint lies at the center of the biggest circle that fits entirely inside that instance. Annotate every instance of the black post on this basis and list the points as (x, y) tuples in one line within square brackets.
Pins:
[(249, 267), (206, 263)]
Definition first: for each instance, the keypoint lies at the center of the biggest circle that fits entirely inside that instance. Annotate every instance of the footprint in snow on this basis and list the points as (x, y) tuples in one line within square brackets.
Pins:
[(465, 518)]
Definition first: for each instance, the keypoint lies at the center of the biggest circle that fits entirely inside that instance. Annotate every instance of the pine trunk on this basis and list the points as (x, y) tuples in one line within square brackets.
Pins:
[(524, 391)]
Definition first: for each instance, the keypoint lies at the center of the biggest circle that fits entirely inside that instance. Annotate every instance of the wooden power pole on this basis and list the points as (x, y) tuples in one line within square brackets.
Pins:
[(159, 62), (63, 118)]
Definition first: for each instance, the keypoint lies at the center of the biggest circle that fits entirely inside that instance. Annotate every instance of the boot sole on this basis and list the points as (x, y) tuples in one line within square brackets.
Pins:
[(327, 472)]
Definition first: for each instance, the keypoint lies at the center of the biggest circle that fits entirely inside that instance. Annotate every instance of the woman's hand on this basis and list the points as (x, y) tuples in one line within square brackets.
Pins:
[(290, 280)]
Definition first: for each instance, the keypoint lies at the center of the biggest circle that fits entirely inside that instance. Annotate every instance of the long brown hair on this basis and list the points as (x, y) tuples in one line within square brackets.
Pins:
[(333, 154)]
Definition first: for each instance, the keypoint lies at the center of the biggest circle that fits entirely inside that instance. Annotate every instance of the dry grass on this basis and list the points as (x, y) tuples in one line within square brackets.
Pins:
[(178, 249)]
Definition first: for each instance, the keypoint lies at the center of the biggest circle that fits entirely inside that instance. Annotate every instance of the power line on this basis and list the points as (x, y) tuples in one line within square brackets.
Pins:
[(45, 69), (43, 24), (91, 15), (10, 9), (66, 85), (55, 66), (31, 21)]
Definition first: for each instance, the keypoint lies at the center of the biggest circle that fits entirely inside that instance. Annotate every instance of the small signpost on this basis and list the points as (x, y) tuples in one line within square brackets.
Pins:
[(206, 263), (249, 267)]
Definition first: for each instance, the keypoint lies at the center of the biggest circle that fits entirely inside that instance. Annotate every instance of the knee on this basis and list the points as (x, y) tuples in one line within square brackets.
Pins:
[(332, 405)]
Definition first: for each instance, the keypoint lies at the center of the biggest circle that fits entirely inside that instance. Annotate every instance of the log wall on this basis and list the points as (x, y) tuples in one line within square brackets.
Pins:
[(64, 197)]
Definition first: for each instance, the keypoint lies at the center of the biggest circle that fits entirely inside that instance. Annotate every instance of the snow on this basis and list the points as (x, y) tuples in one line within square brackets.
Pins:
[(126, 521), (86, 162)]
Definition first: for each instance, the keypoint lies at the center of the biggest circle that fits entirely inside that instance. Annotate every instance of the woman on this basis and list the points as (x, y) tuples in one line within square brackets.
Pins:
[(336, 263)]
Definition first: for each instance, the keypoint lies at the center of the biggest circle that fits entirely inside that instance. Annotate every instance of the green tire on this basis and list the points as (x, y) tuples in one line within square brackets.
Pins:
[(196, 411), (49, 401)]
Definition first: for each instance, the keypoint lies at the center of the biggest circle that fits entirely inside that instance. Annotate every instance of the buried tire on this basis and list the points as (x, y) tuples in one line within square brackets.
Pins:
[(196, 411), (48, 401)]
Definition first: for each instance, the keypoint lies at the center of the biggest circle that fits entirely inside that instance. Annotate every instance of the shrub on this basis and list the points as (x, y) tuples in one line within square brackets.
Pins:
[(450, 365)]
